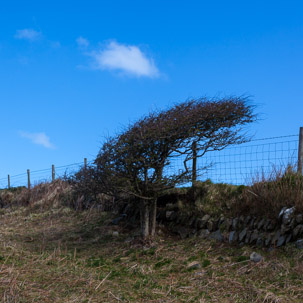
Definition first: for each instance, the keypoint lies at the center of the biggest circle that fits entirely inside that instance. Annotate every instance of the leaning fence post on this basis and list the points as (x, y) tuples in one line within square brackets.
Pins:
[(28, 179), (8, 181), (194, 172), (300, 152), (85, 163), (53, 173)]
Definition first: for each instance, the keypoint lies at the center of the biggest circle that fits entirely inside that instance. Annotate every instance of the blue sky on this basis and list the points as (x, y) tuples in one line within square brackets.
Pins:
[(72, 72)]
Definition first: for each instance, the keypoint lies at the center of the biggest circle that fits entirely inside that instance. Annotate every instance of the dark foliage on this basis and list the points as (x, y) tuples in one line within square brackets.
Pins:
[(133, 163)]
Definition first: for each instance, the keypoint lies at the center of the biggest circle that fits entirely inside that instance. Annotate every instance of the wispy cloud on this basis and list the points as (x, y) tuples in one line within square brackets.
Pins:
[(128, 59), (82, 42), (38, 138), (28, 34)]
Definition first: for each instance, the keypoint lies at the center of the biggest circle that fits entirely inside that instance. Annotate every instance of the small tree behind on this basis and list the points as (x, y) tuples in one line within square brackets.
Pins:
[(133, 162)]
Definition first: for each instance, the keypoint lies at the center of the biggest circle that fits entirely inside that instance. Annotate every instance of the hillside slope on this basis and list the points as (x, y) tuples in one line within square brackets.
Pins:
[(56, 254)]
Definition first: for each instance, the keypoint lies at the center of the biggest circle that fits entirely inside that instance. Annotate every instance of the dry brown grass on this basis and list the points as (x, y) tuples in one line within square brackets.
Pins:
[(42, 195), (55, 254), (268, 194)]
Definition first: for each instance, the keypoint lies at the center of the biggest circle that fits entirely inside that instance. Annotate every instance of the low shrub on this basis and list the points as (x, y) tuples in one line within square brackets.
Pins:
[(87, 187)]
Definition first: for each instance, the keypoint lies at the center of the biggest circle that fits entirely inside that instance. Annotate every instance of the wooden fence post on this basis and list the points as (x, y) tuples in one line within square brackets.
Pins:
[(28, 179), (8, 181), (194, 172), (85, 163), (300, 152), (53, 173)]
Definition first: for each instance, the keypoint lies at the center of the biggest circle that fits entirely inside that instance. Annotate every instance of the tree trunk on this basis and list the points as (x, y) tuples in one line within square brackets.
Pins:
[(148, 215), (145, 220), (152, 218), (141, 204)]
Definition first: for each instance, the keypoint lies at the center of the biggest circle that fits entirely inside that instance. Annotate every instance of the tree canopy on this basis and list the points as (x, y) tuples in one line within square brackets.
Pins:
[(133, 162)]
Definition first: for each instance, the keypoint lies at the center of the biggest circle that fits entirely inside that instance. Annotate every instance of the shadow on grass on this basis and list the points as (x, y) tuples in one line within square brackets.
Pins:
[(69, 230)]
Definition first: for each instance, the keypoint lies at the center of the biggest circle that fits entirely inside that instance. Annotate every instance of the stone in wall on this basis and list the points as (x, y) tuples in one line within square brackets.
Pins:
[(299, 219), (217, 235), (247, 220), (203, 233), (260, 240), (211, 225), (199, 224), (261, 224), (247, 237), (243, 234), (299, 243), (205, 220), (297, 231), (254, 236), (268, 239), (286, 214), (233, 237), (235, 223), (252, 222)]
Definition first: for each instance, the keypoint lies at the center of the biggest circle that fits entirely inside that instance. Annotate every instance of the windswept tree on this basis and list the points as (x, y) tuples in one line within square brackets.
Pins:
[(134, 162)]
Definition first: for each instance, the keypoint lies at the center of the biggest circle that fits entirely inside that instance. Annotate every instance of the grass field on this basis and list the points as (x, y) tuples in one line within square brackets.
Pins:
[(59, 255)]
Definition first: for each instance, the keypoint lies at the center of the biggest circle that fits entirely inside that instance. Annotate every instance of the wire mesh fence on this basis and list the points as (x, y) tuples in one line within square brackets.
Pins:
[(243, 163), (236, 165)]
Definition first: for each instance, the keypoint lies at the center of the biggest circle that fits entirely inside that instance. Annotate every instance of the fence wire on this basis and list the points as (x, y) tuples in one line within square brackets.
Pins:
[(236, 165), (42, 175), (243, 163)]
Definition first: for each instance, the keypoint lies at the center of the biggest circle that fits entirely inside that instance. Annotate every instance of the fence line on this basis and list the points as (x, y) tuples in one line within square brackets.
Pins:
[(237, 164), (42, 175), (240, 164)]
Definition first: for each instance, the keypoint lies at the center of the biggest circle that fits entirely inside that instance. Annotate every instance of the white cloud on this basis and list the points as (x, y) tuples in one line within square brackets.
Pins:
[(28, 34), (82, 42), (38, 138), (126, 58)]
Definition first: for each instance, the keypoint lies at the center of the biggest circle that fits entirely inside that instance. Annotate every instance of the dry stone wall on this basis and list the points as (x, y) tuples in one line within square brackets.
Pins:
[(242, 230)]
